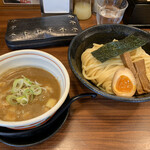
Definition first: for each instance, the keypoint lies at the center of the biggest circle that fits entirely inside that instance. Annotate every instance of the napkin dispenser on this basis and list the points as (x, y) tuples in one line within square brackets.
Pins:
[(137, 12), (56, 7), (42, 32)]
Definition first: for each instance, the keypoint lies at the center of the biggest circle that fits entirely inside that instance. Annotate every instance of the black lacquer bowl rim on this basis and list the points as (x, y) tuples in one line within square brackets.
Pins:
[(77, 40)]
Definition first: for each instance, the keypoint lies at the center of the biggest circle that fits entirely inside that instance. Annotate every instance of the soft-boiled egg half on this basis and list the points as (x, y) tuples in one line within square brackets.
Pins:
[(124, 83)]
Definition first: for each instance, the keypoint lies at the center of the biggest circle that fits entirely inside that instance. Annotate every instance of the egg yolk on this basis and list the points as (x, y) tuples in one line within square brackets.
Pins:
[(124, 84)]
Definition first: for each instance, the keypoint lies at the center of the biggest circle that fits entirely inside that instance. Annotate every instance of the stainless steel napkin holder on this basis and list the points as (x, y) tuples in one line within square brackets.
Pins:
[(56, 7)]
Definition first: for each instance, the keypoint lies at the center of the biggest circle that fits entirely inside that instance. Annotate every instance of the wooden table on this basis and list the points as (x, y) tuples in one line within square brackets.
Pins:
[(92, 123)]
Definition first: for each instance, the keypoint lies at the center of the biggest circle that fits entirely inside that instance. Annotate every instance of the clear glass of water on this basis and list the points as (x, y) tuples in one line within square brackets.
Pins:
[(110, 11)]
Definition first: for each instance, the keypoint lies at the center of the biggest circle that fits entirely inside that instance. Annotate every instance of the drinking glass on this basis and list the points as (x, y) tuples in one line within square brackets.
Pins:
[(110, 11)]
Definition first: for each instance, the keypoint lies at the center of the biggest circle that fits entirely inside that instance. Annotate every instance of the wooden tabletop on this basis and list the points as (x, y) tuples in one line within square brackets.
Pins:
[(93, 124)]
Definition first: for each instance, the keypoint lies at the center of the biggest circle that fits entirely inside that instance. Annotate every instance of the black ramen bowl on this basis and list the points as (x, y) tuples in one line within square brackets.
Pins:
[(102, 34)]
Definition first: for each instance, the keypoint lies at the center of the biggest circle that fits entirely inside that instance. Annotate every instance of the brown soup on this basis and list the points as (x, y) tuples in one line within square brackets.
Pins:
[(40, 103)]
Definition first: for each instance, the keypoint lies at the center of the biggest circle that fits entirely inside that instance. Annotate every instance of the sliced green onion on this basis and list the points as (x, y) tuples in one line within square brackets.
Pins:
[(11, 99), (22, 100), (27, 81), (23, 91), (27, 91), (17, 85), (36, 89)]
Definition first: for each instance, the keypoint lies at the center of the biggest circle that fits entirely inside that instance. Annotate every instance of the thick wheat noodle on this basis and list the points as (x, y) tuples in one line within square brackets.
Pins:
[(101, 74)]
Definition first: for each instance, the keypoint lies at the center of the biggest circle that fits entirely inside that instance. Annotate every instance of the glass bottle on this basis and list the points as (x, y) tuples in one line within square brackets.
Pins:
[(82, 8)]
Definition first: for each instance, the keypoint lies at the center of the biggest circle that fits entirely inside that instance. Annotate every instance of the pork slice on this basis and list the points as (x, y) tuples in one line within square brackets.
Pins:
[(126, 59), (141, 70)]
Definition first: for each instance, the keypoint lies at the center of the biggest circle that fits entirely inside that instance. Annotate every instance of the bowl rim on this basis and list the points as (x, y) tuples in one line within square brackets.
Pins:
[(93, 87), (50, 112)]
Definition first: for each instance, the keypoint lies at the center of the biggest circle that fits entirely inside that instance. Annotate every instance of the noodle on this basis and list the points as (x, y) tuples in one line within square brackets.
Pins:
[(101, 74)]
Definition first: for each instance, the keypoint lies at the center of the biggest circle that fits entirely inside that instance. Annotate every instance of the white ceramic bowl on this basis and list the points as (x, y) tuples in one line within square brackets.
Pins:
[(45, 61)]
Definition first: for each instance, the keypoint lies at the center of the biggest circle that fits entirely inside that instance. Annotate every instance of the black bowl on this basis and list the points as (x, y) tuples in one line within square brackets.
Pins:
[(102, 34)]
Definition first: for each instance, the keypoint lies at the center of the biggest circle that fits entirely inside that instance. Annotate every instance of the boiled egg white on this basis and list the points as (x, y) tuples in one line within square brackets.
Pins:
[(124, 83)]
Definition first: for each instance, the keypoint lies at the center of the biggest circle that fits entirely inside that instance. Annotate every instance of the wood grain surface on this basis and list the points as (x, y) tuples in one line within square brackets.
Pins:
[(93, 124)]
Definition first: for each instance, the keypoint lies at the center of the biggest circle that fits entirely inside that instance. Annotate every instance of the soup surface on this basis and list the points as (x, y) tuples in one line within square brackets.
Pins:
[(45, 95)]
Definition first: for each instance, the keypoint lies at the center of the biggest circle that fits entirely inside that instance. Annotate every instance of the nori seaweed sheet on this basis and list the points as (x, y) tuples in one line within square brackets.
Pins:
[(115, 48)]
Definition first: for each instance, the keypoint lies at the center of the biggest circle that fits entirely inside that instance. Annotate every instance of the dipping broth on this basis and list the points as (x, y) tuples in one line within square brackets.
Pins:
[(32, 100)]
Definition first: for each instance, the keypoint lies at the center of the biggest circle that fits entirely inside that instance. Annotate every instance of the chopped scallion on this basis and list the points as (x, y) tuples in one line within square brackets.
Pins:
[(36, 89), (23, 91), (11, 99), (17, 85)]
